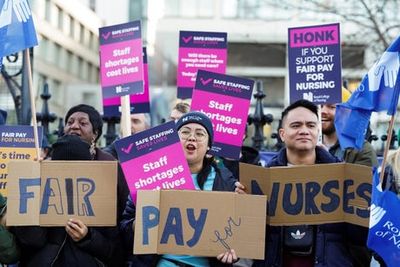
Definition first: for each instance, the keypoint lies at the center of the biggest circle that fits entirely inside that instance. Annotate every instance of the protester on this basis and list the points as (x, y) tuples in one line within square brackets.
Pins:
[(139, 122), (85, 121), (179, 110), (75, 244), (196, 135), (299, 132), (9, 252), (361, 256)]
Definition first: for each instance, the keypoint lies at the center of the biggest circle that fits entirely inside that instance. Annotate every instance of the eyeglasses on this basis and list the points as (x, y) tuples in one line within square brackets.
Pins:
[(200, 135)]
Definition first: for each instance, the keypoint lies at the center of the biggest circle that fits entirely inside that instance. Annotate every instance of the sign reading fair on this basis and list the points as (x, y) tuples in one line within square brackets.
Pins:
[(315, 64), (16, 143), (121, 60), (140, 103), (199, 50), (226, 101), (154, 159)]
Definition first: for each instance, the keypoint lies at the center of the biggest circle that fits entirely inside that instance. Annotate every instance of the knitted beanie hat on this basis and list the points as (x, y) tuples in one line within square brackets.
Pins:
[(200, 118), (71, 147)]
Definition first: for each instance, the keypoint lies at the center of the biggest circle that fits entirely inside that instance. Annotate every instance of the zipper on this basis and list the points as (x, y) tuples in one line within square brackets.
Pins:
[(59, 251)]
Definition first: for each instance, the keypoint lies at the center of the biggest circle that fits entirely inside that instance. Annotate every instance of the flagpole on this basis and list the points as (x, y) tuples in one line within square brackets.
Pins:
[(33, 107), (385, 152)]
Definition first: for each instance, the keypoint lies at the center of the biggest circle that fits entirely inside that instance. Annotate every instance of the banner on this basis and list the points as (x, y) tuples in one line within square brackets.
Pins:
[(199, 50), (121, 59), (225, 100), (315, 64), (16, 143), (154, 159), (48, 193), (312, 194), (140, 103), (200, 223)]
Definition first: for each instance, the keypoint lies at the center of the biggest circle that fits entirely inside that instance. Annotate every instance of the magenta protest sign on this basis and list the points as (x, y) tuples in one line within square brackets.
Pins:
[(225, 100), (154, 159), (139, 103), (121, 60), (315, 64), (199, 50)]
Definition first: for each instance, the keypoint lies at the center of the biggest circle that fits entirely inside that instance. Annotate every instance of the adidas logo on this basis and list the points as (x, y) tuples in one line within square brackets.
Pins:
[(298, 235)]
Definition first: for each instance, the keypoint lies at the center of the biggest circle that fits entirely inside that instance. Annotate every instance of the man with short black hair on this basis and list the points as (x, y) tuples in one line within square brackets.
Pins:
[(283, 246)]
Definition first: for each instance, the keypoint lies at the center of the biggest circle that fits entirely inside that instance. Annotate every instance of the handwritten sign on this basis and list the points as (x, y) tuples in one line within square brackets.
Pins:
[(315, 64), (121, 59), (16, 143), (199, 50), (139, 103), (199, 223), (154, 159), (314, 194), (225, 100), (48, 193)]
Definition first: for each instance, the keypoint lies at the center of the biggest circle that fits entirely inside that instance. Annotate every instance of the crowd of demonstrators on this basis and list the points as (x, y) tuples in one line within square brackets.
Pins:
[(75, 244), (361, 256), (9, 251), (196, 135)]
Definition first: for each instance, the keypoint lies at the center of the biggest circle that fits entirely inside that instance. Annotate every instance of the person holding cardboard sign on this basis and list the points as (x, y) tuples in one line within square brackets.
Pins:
[(303, 245), (86, 122), (196, 135), (75, 244)]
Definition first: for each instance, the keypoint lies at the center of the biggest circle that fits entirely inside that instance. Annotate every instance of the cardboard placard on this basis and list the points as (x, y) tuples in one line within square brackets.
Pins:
[(140, 103), (199, 50), (16, 143), (312, 194), (48, 193), (315, 67), (225, 100), (199, 223), (121, 59), (154, 159)]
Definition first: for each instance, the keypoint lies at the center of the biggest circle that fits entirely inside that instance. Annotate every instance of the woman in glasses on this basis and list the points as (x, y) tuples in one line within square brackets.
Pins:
[(196, 134)]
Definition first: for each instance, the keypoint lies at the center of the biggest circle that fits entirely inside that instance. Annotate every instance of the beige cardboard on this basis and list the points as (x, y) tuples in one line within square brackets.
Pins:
[(238, 220), (100, 192), (305, 176), (28, 170)]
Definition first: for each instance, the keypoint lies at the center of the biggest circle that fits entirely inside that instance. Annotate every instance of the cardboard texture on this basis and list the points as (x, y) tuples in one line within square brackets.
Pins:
[(50, 192), (314, 194), (200, 223)]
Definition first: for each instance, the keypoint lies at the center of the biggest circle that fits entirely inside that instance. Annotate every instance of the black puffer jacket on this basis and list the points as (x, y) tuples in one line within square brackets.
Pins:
[(224, 181), (52, 246), (330, 249)]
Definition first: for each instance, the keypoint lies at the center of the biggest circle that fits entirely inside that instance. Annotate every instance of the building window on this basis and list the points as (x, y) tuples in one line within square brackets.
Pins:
[(60, 19), (71, 27), (47, 11)]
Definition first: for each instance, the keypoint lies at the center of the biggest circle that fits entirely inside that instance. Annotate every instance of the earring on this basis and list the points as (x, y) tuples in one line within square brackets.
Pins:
[(93, 148)]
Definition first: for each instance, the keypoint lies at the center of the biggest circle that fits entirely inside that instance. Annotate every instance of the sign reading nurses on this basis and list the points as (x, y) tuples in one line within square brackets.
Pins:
[(225, 100), (16, 143), (199, 50), (315, 64), (154, 159), (140, 103), (121, 59)]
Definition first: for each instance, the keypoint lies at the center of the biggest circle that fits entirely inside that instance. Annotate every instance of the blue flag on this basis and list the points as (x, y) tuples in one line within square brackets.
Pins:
[(17, 31), (384, 224), (378, 91)]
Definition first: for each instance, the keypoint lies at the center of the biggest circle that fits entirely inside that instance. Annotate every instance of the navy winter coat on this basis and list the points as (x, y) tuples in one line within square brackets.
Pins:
[(330, 249)]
